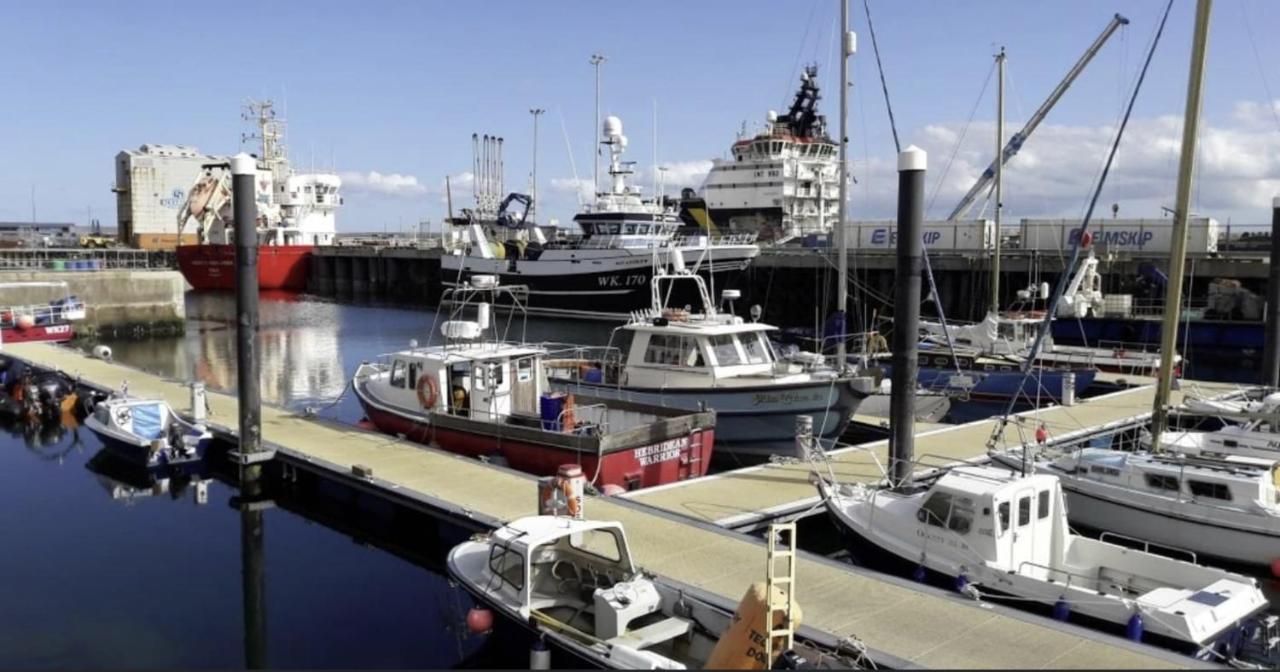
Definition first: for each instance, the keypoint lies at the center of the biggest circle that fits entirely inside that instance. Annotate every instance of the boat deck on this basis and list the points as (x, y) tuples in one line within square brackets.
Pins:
[(752, 496), (903, 623)]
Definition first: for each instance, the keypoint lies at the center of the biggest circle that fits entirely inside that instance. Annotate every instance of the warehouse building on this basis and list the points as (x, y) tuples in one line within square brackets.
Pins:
[(151, 187)]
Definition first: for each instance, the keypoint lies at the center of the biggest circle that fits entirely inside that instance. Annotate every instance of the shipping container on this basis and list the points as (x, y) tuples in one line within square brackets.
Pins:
[(973, 235), (1142, 237)]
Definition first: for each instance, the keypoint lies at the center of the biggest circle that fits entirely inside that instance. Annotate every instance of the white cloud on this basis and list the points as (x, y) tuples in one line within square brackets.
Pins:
[(568, 185), (681, 174), (1238, 169), (390, 184)]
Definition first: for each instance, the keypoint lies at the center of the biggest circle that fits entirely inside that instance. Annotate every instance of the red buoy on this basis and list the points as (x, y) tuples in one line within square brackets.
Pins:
[(479, 620), (1042, 434), (1275, 568), (1086, 240)]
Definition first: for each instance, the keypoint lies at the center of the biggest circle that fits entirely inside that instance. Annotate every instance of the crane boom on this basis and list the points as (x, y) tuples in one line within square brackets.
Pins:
[(1017, 139)]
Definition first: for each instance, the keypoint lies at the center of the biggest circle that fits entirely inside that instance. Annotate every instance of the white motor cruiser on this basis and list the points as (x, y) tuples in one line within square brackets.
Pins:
[(1000, 533), (1249, 428), (574, 583)]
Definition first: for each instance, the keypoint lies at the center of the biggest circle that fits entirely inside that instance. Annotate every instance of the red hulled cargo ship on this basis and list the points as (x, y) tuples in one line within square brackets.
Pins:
[(295, 213)]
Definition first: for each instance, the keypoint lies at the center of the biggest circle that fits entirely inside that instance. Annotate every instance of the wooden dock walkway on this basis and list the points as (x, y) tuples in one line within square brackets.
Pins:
[(753, 496), (901, 623)]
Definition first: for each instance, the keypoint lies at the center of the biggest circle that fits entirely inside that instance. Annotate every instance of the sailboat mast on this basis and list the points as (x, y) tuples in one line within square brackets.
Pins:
[(847, 47), (1178, 255), (995, 256)]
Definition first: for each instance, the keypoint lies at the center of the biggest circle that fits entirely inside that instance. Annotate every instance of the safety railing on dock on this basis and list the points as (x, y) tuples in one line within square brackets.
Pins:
[(73, 259)]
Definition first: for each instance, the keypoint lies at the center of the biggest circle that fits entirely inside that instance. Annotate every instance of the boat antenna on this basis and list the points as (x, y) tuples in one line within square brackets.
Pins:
[(999, 188), (1178, 253), (596, 60), (848, 44), (573, 166), (1061, 285)]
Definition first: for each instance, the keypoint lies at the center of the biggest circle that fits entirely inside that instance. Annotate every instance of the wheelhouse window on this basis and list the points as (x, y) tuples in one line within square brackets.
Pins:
[(600, 543), (398, 374), (1042, 505), (524, 370), (507, 565), (1209, 489), (672, 350), (757, 349), (1002, 517), (413, 376), (725, 348), (1024, 511), (935, 510)]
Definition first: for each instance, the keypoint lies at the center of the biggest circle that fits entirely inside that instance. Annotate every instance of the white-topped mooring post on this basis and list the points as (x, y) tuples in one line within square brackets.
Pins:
[(912, 163), (1271, 356), (804, 436), (198, 402), (244, 172)]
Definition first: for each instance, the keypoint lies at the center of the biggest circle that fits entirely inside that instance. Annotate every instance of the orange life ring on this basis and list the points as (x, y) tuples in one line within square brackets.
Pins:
[(428, 390)]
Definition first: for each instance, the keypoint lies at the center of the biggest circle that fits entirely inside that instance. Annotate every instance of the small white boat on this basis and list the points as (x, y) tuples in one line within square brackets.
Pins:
[(574, 583), (931, 405), (147, 432), (1249, 428), (998, 533)]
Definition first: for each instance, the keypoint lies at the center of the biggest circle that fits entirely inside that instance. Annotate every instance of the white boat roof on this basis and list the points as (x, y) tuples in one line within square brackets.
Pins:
[(533, 531), (982, 481), (471, 352), (696, 325)]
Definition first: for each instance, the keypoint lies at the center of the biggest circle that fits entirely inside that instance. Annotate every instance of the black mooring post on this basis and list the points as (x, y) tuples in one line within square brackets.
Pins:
[(244, 172), (912, 162), (1271, 358), (253, 579)]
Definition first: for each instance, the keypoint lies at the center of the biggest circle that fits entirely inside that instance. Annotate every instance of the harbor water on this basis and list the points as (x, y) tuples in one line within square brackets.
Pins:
[(109, 568)]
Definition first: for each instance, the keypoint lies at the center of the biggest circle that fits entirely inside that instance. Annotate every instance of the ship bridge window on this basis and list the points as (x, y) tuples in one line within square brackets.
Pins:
[(615, 228), (725, 346), (943, 509), (1210, 490), (1042, 506), (1002, 514), (508, 565), (413, 376)]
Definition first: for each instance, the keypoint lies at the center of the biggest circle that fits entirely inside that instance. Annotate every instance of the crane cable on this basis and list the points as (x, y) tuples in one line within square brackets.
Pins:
[(1029, 363)]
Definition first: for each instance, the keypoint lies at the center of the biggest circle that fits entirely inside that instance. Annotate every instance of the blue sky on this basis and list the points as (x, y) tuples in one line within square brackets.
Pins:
[(397, 88)]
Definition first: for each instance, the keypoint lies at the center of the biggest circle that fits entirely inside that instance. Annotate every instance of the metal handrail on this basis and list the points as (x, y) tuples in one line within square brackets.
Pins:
[(1148, 545)]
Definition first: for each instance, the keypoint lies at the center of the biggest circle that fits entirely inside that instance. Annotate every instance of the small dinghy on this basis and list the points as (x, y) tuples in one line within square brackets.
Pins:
[(573, 582), (147, 432)]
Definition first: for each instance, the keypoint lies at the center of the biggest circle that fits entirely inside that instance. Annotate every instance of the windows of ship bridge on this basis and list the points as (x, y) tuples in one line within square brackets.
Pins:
[(398, 374), (725, 347), (756, 348)]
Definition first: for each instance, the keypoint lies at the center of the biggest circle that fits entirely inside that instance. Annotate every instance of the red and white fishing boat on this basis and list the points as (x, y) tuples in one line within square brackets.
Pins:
[(478, 394), (48, 322), (295, 213)]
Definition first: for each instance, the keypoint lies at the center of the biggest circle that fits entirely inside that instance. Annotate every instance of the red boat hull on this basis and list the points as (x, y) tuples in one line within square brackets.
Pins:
[(52, 333), (214, 266), (631, 468)]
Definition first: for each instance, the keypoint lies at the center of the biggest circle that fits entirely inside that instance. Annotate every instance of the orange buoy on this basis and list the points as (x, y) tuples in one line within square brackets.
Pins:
[(1042, 434), (479, 620)]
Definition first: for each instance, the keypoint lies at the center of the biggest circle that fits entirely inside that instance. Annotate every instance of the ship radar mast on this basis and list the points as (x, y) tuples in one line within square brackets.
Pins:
[(270, 132)]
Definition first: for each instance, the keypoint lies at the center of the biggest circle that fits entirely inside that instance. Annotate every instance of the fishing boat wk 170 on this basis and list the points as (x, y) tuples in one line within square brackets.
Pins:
[(481, 395)]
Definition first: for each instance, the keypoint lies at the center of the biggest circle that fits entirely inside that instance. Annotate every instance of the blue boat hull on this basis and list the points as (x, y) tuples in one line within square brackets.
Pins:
[(1043, 385), (143, 455)]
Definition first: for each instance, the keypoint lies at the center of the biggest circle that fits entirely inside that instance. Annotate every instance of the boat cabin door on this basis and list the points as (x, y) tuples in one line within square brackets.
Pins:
[(491, 389), (1022, 528)]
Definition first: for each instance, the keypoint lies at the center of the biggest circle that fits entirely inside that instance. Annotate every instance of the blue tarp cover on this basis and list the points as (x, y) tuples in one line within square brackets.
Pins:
[(147, 421)]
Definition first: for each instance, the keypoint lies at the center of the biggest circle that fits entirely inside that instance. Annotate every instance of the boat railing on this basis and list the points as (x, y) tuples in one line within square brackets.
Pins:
[(570, 360), (40, 314), (1092, 582), (600, 423), (720, 240), (1148, 545)]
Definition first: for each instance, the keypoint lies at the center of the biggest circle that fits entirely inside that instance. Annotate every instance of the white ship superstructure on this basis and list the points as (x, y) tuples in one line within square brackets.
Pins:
[(783, 182)]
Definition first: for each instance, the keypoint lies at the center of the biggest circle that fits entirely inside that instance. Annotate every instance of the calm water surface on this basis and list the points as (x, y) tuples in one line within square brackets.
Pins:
[(104, 568)]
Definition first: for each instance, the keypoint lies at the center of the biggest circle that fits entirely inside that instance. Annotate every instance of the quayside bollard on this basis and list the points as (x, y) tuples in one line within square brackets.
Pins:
[(912, 163), (1271, 358)]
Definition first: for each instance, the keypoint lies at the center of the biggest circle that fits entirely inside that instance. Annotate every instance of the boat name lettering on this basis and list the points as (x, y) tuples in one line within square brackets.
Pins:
[(936, 538), (784, 397), (660, 452)]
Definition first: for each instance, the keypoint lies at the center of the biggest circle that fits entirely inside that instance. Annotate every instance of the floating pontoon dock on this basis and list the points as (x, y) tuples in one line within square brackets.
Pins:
[(901, 623)]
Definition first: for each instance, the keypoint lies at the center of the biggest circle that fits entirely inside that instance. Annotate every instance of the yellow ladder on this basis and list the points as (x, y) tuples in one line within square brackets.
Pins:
[(781, 552)]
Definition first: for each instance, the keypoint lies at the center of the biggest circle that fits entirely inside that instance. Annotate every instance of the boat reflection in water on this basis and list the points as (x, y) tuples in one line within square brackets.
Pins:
[(127, 482)]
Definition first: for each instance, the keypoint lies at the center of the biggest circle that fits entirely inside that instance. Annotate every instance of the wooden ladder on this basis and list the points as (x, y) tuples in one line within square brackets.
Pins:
[(780, 552)]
